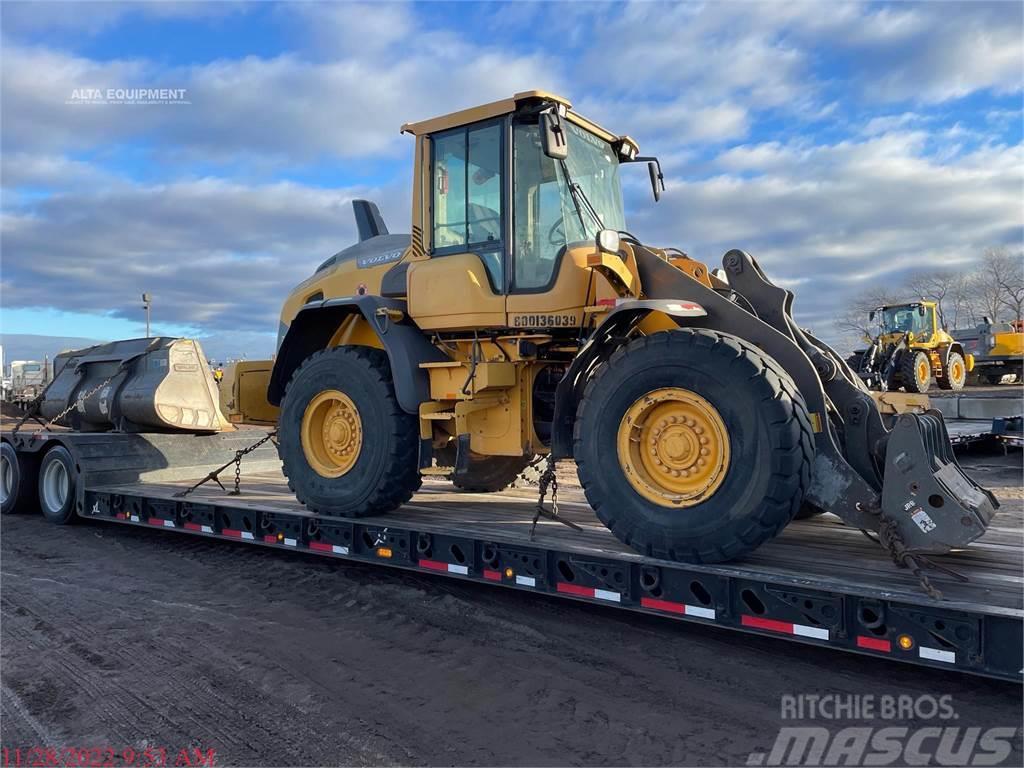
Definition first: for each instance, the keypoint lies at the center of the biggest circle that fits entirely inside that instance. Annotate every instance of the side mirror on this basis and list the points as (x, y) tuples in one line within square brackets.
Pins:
[(552, 136), (871, 316), (657, 179), (920, 311)]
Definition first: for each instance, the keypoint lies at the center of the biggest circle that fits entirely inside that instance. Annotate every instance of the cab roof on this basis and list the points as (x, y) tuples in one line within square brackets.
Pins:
[(504, 107)]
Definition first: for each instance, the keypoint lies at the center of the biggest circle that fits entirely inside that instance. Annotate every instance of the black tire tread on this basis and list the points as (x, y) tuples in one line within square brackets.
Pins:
[(490, 474), (787, 487), (405, 478), (908, 372), (945, 382)]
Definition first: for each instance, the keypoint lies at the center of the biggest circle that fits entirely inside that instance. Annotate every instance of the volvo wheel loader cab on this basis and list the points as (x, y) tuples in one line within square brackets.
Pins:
[(520, 317), (910, 350)]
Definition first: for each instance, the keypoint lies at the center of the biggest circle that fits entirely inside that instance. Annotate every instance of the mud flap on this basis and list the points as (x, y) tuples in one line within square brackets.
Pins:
[(934, 504)]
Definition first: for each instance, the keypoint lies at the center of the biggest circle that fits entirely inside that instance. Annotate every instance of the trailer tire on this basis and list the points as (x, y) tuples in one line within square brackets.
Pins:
[(383, 474), (19, 481), (58, 485), (760, 441), (915, 371)]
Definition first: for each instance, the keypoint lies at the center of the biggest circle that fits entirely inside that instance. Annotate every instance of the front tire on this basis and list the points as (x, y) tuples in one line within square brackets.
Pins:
[(58, 486), (693, 446), (346, 446), (916, 371)]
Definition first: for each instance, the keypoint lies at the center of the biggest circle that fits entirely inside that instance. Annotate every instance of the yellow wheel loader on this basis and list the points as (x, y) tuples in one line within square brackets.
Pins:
[(521, 318), (911, 349)]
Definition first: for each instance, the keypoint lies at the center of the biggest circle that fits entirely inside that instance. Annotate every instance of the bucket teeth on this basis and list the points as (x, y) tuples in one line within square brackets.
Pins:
[(934, 504)]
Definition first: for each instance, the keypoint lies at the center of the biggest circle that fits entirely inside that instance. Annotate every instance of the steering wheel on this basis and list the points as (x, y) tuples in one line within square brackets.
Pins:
[(554, 238)]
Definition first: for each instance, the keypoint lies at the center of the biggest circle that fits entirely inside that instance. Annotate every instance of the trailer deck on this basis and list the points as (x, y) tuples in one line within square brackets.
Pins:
[(819, 582)]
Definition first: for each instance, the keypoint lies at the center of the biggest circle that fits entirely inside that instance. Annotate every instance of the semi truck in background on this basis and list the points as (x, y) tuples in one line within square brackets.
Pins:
[(997, 348)]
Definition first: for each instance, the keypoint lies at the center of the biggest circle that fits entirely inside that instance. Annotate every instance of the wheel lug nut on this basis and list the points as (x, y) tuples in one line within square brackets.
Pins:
[(705, 451), (704, 440)]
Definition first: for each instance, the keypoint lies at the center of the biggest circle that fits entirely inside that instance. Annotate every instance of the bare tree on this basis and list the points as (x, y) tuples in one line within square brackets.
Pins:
[(997, 287), (939, 286), (1008, 272)]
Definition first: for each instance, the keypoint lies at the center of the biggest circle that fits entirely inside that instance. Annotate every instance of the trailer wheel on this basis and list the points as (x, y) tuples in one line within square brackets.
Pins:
[(58, 481), (346, 446), (17, 481), (693, 445), (955, 374), (915, 371)]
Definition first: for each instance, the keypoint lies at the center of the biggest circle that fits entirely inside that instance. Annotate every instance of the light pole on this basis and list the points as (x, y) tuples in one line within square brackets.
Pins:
[(147, 300)]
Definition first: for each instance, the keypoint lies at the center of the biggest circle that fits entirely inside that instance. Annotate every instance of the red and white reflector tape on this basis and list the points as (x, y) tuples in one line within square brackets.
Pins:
[(271, 538), (435, 565), (936, 654), (874, 644), (246, 535), (785, 627), (597, 594), (681, 608), (198, 527), (161, 522), (323, 546)]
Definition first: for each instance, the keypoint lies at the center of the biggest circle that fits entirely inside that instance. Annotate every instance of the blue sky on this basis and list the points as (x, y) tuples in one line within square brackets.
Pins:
[(844, 145)]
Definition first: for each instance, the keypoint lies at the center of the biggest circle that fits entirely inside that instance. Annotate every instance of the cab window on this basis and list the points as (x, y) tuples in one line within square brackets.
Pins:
[(467, 194)]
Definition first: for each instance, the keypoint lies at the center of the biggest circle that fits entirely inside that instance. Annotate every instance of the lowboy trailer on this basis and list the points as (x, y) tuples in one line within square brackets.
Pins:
[(820, 582)]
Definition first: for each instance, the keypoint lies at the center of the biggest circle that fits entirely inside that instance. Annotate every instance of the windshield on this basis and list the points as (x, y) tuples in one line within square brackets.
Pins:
[(904, 319), (546, 216)]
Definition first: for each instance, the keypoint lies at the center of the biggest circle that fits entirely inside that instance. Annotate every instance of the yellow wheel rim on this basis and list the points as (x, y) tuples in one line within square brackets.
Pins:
[(673, 447), (957, 372), (923, 371), (332, 433)]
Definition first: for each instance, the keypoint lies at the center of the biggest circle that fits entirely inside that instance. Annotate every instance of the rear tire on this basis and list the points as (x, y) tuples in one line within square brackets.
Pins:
[(384, 472), (955, 374), (915, 371), (768, 445), (58, 486), (18, 478)]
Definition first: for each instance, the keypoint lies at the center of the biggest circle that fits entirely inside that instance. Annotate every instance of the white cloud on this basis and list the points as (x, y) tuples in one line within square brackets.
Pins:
[(835, 216), (213, 253)]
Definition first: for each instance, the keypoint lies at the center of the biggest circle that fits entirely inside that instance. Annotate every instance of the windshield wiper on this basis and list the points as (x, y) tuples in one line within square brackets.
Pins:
[(579, 196)]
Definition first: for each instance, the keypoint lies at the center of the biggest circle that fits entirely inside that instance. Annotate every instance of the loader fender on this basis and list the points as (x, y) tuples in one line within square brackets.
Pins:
[(405, 344), (605, 339)]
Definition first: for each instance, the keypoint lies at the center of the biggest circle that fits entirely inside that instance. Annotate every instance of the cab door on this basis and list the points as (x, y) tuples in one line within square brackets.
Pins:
[(462, 284)]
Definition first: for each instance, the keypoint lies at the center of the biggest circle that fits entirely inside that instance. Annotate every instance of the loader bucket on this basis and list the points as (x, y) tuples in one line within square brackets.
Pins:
[(138, 385), (935, 505)]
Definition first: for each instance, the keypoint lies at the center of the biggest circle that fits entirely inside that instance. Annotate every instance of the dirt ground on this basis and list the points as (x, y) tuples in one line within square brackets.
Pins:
[(119, 637)]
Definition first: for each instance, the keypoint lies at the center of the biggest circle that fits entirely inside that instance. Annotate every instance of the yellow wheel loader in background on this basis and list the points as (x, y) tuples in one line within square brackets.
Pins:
[(520, 317), (910, 349)]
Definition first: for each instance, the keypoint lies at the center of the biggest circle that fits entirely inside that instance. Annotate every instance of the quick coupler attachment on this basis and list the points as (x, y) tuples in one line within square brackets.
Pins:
[(934, 505)]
